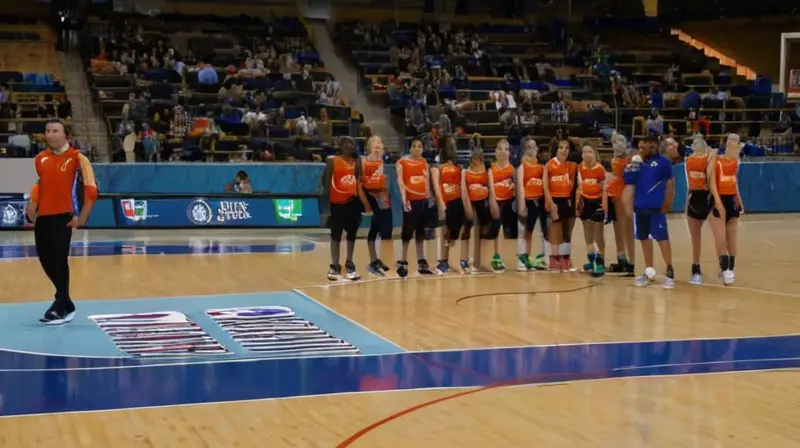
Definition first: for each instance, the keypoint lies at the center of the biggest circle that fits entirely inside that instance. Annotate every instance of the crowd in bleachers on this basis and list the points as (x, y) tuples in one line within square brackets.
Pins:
[(211, 88), (485, 83)]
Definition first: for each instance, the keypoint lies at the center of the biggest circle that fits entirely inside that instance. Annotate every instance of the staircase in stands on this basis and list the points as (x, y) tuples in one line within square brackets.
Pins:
[(375, 117), (87, 125)]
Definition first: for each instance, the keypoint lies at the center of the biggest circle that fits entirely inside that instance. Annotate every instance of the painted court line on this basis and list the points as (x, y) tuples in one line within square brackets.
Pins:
[(351, 321), (417, 352), (393, 391), (524, 382)]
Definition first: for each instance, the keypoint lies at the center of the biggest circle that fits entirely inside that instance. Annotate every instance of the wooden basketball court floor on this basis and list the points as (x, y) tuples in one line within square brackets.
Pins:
[(518, 359)]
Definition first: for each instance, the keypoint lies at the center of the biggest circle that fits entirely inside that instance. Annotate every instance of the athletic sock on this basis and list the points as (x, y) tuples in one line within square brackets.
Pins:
[(723, 262), (696, 269)]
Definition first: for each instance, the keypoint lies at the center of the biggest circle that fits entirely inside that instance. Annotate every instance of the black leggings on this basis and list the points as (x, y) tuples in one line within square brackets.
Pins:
[(381, 223), (53, 237), (414, 221)]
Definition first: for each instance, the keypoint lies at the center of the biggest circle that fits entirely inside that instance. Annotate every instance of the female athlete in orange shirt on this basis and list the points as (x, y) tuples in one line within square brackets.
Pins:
[(56, 208), (727, 207), (450, 205), (503, 182), (413, 179), (699, 200), (592, 205), (340, 183), (530, 206), (621, 219), (559, 185), (480, 207), (375, 194)]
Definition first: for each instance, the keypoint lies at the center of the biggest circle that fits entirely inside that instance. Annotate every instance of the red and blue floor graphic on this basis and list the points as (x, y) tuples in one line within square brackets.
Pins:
[(158, 334), (278, 331)]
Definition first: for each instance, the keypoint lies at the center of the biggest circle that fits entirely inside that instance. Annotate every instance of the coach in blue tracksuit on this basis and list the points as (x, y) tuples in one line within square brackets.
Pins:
[(650, 175)]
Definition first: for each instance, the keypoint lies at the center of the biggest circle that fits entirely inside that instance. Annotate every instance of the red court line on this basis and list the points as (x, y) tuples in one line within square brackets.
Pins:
[(526, 380)]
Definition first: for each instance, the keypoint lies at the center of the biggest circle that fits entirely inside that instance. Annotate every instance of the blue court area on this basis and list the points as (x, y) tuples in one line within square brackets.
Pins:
[(133, 247), (44, 384), (179, 322)]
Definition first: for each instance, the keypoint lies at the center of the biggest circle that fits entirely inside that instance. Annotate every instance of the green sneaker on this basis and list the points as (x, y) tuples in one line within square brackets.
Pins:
[(524, 263), (599, 268), (589, 267), (540, 264), (497, 263)]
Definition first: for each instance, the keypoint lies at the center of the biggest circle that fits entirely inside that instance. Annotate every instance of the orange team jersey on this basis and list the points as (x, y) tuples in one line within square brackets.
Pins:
[(696, 172), (414, 178), (592, 180), (560, 178), (57, 176), (726, 176), (374, 177), (503, 182), (532, 174), (344, 187), (450, 181), (617, 184), (477, 184)]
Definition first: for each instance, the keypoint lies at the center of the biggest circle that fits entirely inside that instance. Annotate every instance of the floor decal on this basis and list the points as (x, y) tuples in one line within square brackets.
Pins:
[(278, 331), (167, 333)]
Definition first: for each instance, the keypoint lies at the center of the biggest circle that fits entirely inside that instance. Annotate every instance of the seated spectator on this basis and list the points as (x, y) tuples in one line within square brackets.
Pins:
[(655, 124), (207, 75)]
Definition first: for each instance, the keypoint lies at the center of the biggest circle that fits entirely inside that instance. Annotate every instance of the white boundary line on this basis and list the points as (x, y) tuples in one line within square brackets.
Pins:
[(454, 388), (351, 321)]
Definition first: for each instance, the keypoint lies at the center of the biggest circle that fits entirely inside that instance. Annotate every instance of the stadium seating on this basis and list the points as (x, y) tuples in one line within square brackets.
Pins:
[(244, 110), (615, 73), (30, 77)]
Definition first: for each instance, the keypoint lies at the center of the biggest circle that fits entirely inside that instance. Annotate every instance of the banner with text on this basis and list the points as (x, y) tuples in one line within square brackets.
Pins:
[(218, 212)]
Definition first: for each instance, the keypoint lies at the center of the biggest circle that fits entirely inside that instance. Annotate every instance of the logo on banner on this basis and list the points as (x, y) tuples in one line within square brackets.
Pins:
[(232, 211), (11, 216), (289, 209), (134, 210), (199, 212)]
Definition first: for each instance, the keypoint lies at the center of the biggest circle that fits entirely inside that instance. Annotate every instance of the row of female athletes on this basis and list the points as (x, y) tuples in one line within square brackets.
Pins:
[(634, 192)]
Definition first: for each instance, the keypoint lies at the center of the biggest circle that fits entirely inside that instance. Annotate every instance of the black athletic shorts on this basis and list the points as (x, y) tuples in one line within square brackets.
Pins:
[(454, 218), (536, 212), (508, 220), (345, 218), (592, 210), (699, 204), (611, 213), (731, 208), (565, 208)]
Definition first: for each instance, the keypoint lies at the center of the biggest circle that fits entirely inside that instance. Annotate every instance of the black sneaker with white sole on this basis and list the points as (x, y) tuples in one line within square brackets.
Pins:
[(53, 317)]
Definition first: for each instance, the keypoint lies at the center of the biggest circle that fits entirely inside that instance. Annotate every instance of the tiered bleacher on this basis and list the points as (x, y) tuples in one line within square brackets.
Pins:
[(215, 88), (483, 83), (30, 86)]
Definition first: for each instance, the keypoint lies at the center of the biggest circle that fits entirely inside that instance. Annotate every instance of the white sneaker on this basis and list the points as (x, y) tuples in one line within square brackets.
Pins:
[(728, 278), (669, 283), (641, 281), (697, 279)]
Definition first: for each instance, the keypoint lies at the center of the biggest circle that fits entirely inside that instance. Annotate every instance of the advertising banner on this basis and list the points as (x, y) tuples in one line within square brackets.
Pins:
[(12, 211), (218, 212)]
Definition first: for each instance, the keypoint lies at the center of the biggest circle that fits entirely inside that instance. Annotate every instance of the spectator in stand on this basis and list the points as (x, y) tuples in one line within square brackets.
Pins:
[(207, 75), (241, 184), (180, 123), (559, 111), (655, 124)]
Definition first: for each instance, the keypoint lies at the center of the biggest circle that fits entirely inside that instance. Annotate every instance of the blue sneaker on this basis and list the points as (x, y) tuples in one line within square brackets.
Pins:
[(464, 265), (443, 267), (375, 269)]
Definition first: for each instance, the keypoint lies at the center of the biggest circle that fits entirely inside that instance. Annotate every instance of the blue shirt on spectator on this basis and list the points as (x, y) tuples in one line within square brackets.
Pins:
[(650, 181), (691, 100), (207, 75)]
